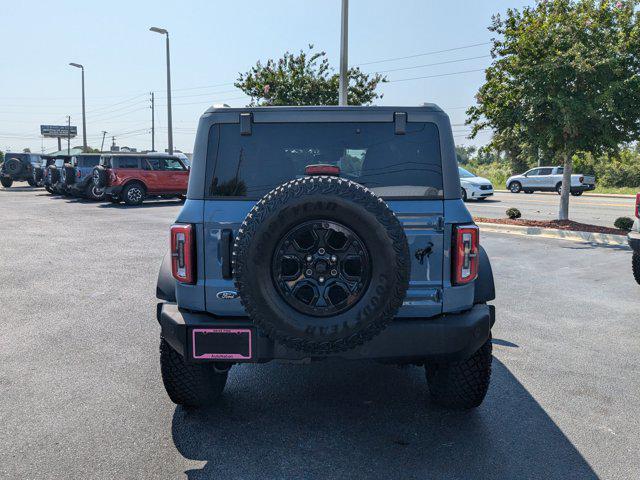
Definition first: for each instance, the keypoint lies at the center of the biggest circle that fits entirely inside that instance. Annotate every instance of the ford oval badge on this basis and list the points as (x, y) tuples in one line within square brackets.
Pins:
[(227, 295)]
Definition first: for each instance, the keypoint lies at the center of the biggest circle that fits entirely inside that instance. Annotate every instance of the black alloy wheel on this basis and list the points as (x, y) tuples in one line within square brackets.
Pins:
[(321, 268)]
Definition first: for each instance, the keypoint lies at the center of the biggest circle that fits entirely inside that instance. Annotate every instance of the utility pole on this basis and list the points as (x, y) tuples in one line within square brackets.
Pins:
[(104, 133), (84, 117), (153, 124), (164, 32), (344, 54), (68, 134)]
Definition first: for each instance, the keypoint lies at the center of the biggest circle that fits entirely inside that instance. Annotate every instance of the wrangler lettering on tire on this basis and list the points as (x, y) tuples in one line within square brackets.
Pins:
[(321, 264)]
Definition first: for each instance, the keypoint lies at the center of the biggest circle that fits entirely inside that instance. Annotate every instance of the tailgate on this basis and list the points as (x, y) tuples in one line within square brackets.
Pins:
[(423, 223)]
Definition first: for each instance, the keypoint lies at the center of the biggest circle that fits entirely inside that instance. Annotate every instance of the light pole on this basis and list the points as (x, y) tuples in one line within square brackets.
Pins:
[(84, 117), (164, 32), (344, 55)]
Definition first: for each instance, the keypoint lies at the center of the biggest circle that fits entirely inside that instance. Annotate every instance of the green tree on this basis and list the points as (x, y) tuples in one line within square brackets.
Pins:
[(565, 79), (464, 153), (305, 79)]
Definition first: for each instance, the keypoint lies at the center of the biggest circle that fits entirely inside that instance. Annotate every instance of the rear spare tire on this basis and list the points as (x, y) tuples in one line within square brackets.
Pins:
[(69, 175), (99, 176), (321, 264), (13, 166)]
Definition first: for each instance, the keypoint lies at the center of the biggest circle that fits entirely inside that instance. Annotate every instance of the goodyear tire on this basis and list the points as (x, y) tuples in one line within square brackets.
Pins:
[(321, 264), (461, 385), (190, 385), (99, 176)]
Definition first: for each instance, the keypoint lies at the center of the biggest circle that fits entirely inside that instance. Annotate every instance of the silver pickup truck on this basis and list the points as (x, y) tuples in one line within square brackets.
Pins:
[(549, 179)]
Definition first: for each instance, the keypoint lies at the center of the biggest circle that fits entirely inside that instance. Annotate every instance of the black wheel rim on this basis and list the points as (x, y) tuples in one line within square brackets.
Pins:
[(321, 268)]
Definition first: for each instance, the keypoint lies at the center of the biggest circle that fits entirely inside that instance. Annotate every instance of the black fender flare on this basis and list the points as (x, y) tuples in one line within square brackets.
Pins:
[(166, 286), (484, 289)]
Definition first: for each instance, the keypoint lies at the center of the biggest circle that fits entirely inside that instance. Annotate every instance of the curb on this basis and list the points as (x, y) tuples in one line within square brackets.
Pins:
[(585, 194), (571, 235)]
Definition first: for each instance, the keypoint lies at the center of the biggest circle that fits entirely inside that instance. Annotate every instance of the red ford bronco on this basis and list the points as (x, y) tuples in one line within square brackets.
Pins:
[(135, 177)]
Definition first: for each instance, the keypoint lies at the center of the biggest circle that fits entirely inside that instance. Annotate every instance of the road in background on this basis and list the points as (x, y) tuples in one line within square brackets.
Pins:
[(541, 206), (82, 397)]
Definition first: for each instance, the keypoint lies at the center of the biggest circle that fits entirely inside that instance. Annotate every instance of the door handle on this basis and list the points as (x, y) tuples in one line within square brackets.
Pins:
[(226, 244)]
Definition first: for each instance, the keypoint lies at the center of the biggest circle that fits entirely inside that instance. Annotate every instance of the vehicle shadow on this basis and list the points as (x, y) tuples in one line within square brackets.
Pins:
[(364, 420), (149, 204), (25, 188)]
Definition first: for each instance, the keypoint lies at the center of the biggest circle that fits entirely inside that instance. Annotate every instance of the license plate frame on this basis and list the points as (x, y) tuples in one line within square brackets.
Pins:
[(231, 344)]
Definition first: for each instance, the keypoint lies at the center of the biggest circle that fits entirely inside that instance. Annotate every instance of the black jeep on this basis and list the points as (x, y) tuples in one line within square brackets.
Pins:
[(18, 167)]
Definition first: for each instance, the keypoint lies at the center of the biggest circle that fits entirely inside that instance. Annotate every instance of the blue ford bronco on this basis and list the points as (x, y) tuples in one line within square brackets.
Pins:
[(77, 176), (312, 233)]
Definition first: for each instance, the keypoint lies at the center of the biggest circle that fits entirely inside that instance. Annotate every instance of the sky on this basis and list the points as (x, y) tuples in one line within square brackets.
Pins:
[(211, 42)]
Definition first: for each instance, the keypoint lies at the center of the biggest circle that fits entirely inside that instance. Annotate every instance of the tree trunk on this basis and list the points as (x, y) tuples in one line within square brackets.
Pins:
[(566, 187)]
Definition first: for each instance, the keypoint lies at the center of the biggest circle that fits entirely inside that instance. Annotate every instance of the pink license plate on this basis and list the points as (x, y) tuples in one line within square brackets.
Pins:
[(221, 343)]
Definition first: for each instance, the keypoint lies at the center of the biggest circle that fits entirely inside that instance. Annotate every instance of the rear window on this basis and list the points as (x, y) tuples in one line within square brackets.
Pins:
[(393, 166)]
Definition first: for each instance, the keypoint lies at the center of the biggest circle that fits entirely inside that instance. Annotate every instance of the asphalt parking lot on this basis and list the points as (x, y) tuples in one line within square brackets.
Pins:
[(82, 397), (544, 206)]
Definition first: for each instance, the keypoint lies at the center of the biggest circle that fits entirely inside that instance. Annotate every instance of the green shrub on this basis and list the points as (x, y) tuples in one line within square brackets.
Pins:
[(623, 223), (513, 213)]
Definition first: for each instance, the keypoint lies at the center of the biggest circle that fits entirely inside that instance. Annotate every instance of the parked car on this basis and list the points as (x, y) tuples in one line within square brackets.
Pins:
[(312, 233), (549, 179), (634, 241), (18, 167), (474, 187), (53, 175), (132, 178), (78, 176)]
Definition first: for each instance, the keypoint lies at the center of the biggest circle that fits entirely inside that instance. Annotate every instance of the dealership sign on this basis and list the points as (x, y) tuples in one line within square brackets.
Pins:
[(58, 131)]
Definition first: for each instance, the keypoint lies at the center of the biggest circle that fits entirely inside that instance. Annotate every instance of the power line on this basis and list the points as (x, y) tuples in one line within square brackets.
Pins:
[(434, 52), (435, 76), (433, 64)]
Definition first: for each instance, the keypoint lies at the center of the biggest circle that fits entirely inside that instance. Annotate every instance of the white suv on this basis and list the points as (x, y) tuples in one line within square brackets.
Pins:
[(549, 179), (474, 187)]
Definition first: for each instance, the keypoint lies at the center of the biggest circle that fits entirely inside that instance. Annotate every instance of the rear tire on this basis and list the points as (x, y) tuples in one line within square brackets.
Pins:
[(190, 385), (114, 199), (32, 182), (635, 264), (6, 182), (94, 193), (576, 194), (515, 187), (461, 385), (559, 189), (133, 194), (528, 191)]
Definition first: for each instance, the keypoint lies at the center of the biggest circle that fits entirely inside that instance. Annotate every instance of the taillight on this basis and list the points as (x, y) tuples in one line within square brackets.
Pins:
[(638, 205), (466, 244), (183, 253), (322, 169), (78, 174)]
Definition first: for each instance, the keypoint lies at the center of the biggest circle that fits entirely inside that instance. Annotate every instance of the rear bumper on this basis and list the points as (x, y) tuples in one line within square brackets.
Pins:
[(583, 188), (445, 337), (634, 241), (81, 185), (113, 190)]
